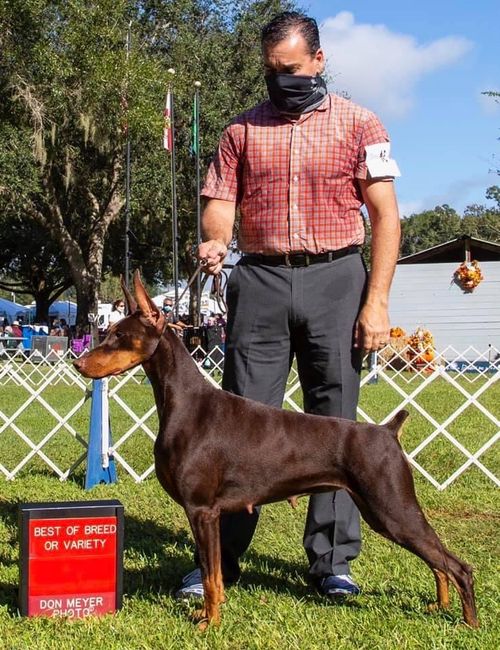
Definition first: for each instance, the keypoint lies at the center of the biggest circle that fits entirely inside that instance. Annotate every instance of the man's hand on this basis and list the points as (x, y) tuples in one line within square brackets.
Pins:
[(211, 254), (372, 329)]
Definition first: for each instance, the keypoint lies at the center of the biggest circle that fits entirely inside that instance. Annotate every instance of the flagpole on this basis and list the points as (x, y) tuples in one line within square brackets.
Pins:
[(196, 146), (175, 234)]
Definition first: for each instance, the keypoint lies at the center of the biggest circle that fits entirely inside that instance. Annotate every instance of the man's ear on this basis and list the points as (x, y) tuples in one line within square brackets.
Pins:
[(320, 60)]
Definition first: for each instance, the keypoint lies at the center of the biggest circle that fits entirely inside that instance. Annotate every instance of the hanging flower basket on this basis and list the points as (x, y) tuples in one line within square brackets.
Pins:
[(397, 332), (468, 275)]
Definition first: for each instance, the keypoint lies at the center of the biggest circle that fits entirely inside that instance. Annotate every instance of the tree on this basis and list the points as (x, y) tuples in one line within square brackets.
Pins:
[(483, 222), (66, 78), (31, 264), (429, 228), (69, 82)]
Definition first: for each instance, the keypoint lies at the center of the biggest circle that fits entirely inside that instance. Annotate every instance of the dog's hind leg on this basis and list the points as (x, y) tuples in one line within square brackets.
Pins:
[(206, 530), (404, 523), (442, 589), (446, 566)]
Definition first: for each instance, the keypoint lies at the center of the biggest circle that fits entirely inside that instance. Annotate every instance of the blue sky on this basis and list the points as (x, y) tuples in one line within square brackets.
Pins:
[(422, 67)]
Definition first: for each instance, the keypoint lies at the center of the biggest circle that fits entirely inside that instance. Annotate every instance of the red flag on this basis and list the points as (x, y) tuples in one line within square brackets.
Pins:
[(167, 124)]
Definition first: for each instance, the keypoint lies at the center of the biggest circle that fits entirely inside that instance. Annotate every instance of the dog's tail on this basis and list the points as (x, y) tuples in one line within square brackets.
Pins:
[(396, 424)]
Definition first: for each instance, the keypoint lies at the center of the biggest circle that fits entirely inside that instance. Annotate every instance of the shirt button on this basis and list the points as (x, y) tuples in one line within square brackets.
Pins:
[(295, 178), (296, 235), (294, 206), (296, 152)]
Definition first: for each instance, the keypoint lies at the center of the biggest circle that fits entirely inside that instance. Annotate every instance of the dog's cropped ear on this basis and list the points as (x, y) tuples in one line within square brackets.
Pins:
[(129, 299), (146, 305)]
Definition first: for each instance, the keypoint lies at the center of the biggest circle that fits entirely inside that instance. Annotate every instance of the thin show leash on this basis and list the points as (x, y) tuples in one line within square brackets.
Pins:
[(217, 286)]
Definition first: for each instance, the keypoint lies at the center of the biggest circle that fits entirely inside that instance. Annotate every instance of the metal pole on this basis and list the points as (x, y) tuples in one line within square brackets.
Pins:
[(127, 214), (127, 177), (196, 143), (175, 235)]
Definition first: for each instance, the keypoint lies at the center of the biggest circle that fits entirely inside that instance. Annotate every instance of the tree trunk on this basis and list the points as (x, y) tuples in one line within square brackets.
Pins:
[(42, 301), (87, 292)]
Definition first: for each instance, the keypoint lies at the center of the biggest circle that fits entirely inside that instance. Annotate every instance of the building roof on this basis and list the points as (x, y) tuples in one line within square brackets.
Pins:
[(454, 251)]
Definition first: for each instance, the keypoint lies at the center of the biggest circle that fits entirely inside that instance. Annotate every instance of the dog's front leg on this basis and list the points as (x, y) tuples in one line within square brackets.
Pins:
[(206, 530)]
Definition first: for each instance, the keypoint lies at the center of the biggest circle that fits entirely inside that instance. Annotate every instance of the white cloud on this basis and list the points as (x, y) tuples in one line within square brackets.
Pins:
[(380, 68)]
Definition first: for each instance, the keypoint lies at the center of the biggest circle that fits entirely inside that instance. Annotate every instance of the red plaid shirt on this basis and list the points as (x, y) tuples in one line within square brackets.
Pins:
[(295, 181)]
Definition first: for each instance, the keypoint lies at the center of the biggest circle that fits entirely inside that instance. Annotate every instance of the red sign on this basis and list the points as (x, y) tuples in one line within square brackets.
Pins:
[(71, 558)]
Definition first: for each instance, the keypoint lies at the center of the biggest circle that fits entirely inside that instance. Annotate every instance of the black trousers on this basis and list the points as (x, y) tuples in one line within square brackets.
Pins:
[(274, 314)]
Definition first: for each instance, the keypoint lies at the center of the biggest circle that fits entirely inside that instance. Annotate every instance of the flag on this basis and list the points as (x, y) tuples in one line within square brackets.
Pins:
[(195, 126), (167, 123)]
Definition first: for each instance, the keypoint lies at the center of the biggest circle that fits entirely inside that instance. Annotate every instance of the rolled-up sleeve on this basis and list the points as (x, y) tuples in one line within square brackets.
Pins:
[(372, 132), (222, 180)]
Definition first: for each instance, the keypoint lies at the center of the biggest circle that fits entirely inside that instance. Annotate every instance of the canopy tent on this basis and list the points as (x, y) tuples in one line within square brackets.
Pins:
[(208, 304), (58, 309), (11, 310)]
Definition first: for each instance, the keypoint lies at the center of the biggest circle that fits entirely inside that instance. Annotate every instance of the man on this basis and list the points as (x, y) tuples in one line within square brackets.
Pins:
[(168, 307), (299, 167), (168, 310)]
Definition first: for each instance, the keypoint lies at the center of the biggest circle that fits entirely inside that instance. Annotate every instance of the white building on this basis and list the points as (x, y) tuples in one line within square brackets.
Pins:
[(425, 293)]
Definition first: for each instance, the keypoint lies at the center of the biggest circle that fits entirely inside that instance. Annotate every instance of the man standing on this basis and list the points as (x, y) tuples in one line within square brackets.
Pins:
[(299, 167)]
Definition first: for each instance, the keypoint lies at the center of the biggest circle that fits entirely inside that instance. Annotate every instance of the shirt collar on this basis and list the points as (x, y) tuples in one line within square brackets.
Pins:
[(274, 112)]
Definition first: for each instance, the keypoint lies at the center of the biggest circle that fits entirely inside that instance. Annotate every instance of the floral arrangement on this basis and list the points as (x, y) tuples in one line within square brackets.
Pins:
[(468, 275), (421, 343), (397, 332)]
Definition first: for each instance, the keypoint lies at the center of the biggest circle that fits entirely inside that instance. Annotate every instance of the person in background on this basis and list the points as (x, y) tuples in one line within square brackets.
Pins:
[(168, 309), (16, 329), (117, 312), (64, 329), (54, 328), (299, 167)]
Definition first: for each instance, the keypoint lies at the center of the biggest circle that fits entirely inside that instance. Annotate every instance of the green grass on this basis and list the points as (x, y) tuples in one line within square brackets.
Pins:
[(272, 607)]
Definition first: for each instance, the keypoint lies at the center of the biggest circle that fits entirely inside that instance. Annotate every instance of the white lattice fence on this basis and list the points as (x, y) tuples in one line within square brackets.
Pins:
[(454, 404)]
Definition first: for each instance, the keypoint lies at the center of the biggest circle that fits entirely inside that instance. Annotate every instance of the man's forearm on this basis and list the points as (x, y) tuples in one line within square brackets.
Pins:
[(380, 200), (386, 232), (218, 221), (217, 231)]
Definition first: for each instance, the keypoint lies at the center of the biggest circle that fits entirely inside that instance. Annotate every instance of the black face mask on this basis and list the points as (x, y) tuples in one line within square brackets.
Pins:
[(295, 93)]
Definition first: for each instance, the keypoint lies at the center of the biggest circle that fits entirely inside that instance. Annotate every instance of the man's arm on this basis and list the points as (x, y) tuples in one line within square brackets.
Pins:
[(372, 328), (217, 231)]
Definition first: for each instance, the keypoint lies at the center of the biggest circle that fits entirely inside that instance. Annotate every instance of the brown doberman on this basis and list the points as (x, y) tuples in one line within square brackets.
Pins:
[(217, 452)]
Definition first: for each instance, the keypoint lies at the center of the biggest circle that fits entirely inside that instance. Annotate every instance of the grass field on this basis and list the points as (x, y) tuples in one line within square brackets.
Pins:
[(272, 607)]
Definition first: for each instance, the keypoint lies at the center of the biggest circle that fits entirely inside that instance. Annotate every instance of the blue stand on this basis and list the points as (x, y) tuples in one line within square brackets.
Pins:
[(100, 468)]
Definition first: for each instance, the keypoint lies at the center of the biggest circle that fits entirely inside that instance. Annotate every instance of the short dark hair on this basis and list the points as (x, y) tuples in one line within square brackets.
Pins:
[(285, 24)]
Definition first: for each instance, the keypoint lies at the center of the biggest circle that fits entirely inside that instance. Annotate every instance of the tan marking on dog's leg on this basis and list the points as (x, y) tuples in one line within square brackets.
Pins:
[(442, 589)]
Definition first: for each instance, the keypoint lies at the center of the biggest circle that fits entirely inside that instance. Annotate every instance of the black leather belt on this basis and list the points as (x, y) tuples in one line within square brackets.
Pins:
[(300, 259)]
